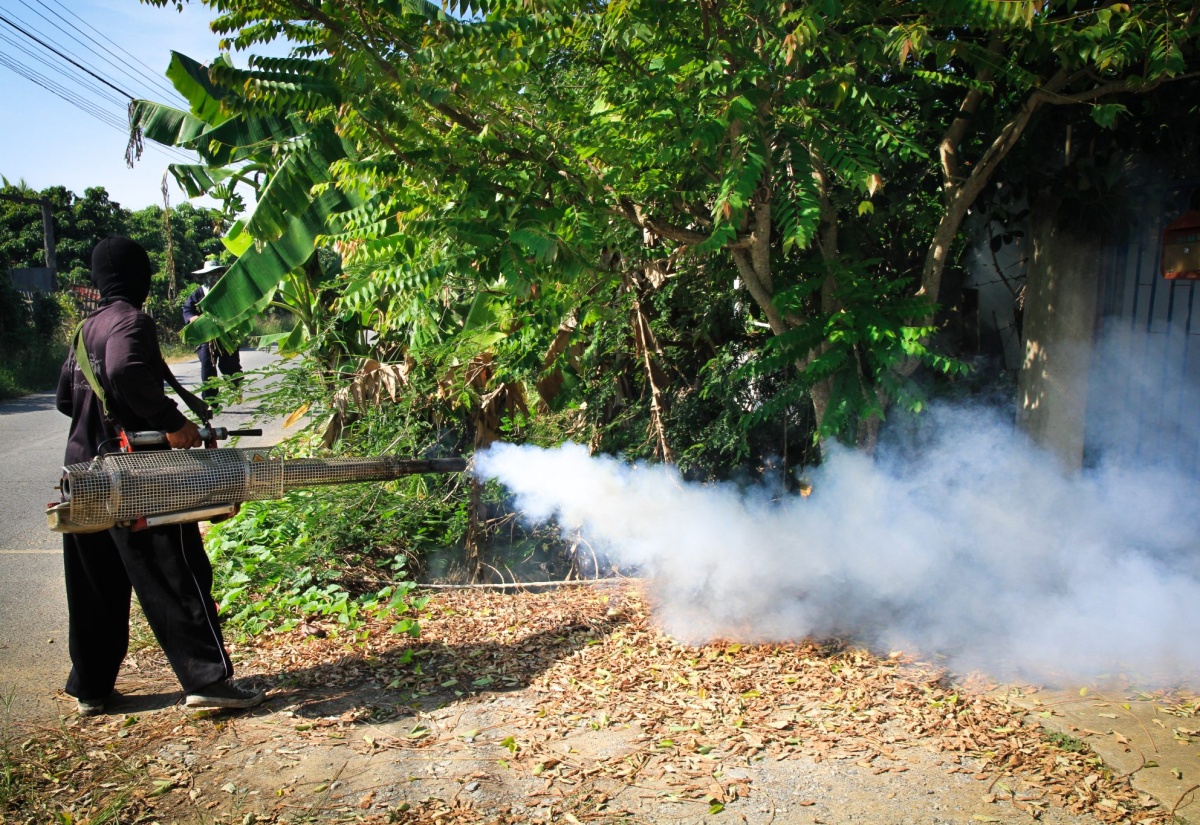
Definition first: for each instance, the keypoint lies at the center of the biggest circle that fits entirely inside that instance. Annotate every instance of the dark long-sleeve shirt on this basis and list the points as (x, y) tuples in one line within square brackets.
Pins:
[(191, 307), (122, 345)]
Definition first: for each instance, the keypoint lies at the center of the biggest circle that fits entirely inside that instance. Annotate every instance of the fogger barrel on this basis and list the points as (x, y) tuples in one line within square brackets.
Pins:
[(143, 489)]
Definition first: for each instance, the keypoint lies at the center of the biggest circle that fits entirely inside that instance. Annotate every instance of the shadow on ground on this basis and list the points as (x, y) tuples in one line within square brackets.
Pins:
[(420, 676)]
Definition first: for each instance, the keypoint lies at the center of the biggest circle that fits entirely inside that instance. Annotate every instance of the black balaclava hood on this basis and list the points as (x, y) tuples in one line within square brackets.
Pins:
[(121, 270)]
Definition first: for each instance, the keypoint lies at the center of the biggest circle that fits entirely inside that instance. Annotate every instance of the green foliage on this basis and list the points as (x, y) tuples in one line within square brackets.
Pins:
[(194, 237), (32, 341), (498, 177), (1066, 742), (711, 425), (857, 346), (81, 222), (280, 562), (26, 371), (246, 128)]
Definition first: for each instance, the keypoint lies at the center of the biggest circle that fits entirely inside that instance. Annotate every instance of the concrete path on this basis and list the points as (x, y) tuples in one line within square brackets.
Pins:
[(34, 660), (1153, 738), (33, 614)]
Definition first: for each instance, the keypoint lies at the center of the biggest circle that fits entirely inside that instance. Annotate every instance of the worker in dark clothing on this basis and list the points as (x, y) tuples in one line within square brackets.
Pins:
[(166, 566), (213, 357)]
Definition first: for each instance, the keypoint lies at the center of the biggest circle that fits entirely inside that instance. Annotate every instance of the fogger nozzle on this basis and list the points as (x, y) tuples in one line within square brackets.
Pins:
[(191, 485)]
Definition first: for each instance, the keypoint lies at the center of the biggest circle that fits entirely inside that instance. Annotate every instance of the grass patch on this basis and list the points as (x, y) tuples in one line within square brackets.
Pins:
[(1066, 742), (271, 324), (28, 371), (174, 352)]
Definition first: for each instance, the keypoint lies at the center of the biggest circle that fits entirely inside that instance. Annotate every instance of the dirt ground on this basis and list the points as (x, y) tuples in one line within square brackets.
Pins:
[(569, 706)]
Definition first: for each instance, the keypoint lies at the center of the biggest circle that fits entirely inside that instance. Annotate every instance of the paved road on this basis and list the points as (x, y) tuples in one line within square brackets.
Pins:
[(33, 614)]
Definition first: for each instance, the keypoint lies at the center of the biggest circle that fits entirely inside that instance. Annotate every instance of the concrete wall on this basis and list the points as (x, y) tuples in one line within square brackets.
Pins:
[(1059, 327)]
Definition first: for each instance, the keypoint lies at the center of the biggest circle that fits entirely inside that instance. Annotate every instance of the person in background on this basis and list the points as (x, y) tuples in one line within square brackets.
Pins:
[(213, 358), (165, 566)]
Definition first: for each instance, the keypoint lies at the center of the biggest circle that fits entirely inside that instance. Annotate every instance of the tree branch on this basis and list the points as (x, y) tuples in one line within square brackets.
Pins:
[(948, 148), (761, 296), (633, 213), (966, 193)]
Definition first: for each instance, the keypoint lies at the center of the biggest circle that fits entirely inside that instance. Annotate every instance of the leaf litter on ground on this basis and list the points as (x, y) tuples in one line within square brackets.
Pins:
[(694, 721)]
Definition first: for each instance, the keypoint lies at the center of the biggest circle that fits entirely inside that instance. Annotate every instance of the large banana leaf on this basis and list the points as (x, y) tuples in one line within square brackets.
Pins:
[(196, 179), (190, 79), (246, 136), (237, 240), (247, 288), (166, 124), (281, 234), (289, 190)]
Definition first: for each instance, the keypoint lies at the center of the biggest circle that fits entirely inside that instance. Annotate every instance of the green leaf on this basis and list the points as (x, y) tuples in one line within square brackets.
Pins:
[(409, 626), (191, 80), (165, 124), (161, 787), (247, 288), (289, 192), (237, 240), (1106, 114)]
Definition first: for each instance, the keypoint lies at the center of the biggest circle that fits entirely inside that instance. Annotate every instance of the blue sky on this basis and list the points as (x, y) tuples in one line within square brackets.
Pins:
[(47, 141)]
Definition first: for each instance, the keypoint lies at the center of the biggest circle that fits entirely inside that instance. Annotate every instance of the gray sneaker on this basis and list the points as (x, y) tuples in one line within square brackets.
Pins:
[(225, 694)]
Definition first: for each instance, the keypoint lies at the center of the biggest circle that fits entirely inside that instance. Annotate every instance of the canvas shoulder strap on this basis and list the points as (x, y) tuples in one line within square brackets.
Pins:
[(85, 366)]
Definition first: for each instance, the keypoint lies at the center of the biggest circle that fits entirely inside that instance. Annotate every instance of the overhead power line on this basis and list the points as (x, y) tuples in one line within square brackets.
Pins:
[(74, 100), (70, 60), (51, 86), (56, 66), (87, 107), (92, 94), (151, 79), (51, 32)]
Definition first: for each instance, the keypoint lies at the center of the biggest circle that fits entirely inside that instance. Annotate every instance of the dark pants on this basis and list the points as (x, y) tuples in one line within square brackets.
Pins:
[(169, 571), (212, 359)]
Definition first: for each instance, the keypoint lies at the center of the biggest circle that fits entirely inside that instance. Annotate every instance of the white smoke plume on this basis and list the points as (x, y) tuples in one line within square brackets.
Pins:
[(969, 543)]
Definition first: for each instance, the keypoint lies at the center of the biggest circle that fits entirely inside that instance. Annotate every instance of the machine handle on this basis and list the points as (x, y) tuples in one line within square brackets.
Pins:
[(157, 438)]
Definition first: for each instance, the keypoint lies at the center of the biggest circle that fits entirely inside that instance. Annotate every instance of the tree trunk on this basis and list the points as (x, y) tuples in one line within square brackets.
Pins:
[(753, 261), (476, 539), (961, 194), (645, 341)]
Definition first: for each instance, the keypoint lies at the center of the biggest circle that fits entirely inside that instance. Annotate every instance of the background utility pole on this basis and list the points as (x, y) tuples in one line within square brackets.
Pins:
[(47, 226)]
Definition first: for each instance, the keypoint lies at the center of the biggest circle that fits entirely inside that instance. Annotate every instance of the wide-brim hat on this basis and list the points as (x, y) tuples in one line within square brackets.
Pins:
[(210, 265)]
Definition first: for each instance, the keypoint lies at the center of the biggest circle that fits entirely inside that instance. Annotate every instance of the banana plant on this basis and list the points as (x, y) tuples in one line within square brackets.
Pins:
[(244, 143)]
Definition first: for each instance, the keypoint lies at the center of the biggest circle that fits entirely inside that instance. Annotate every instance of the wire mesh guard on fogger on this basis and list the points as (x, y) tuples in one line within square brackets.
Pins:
[(145, 489)]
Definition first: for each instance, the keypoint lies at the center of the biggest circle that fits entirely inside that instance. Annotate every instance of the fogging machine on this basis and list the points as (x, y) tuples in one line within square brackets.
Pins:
[(156, 487)]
